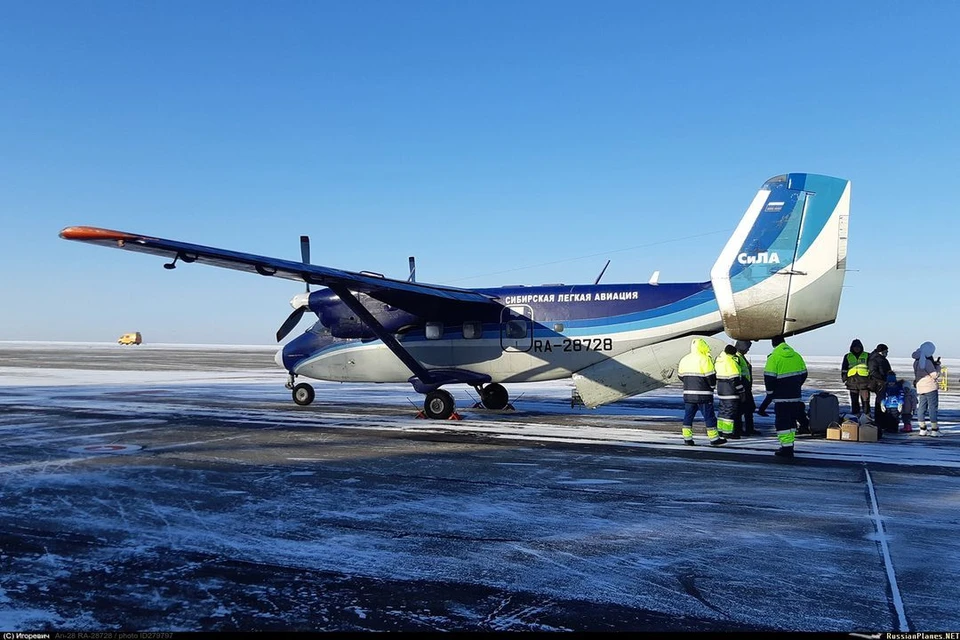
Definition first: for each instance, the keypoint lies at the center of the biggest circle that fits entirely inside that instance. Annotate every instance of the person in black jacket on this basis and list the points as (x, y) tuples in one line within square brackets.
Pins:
[(878, 368), (879, 372), (744, 421)]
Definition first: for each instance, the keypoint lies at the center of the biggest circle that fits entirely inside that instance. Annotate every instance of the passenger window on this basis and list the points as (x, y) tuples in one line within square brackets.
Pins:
[(516, 329), (434, 330), (472, 330)]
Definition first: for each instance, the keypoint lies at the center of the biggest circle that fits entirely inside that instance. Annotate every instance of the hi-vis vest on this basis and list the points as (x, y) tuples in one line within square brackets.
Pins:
[(746, 369), (857, 366), (729, 379), (784, 374), (697, 372)]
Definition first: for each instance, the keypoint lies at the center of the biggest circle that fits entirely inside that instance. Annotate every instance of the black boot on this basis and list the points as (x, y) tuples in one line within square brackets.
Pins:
[(784, 452)]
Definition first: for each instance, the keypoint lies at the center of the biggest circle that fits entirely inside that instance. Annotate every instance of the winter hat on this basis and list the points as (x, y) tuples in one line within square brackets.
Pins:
[(855, 345), (926, 350), (881, 348), (743, 345)]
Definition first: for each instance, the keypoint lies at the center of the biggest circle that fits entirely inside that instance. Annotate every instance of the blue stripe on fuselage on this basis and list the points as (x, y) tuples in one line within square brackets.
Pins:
[(582, 310)]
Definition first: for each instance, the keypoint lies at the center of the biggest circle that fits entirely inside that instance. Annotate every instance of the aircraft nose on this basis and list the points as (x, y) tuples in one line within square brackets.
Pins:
[(279, 358)]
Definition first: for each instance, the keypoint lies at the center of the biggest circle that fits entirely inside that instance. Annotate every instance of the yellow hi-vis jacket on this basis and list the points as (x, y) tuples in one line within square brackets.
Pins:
[(697, 373)]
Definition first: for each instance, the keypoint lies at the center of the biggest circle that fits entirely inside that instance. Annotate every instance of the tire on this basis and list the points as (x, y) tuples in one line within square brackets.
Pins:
[(494, 397), (438, 405), (303, 394)]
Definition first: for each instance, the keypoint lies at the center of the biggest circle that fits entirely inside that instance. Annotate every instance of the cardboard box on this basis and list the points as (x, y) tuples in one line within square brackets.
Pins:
[(849, 430), (867, 433), (852, 432)]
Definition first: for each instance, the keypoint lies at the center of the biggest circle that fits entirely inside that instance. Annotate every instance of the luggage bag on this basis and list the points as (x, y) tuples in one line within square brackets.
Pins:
[(824, 409)]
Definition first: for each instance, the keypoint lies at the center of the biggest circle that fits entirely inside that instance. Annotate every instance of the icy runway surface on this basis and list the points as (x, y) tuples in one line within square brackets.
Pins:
[(236, 509)]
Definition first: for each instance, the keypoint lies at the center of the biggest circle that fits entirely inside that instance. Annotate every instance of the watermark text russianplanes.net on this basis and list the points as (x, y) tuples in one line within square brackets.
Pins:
[(87, 635)]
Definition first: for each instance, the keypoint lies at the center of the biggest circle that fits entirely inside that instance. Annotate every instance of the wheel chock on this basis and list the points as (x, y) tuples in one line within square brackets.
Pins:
[(453, 416), (479, 405)]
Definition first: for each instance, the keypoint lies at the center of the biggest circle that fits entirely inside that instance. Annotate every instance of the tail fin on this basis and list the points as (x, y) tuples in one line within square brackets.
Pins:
[(781, 273)]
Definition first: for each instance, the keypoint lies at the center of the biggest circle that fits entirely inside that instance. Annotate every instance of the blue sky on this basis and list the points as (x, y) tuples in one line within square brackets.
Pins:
[(498, 142)]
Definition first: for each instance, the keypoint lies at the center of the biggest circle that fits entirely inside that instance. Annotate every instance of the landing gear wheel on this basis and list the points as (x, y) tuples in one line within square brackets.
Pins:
[(438, 405), (303, 394), (494, 396)]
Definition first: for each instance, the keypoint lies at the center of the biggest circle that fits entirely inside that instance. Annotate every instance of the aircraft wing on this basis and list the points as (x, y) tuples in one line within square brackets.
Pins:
[(409, 296)]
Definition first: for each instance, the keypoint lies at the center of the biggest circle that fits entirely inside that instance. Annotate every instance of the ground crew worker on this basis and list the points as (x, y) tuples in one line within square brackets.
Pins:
[(699, 378), (743, 422), (783, 377), (855, 374), (729, 390)]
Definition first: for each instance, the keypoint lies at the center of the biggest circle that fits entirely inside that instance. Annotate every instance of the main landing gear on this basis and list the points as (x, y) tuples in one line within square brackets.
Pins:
[(438, 405), (493, 396)]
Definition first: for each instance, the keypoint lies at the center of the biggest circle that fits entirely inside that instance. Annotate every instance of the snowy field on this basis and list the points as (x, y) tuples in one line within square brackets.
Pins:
[(227, 507)]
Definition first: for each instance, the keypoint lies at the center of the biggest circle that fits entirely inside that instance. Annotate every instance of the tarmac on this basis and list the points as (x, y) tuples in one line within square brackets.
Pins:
[(180, 489)]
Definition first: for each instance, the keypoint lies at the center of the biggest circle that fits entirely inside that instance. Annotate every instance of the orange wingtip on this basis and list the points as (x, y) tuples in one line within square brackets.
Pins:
[(94, 233)]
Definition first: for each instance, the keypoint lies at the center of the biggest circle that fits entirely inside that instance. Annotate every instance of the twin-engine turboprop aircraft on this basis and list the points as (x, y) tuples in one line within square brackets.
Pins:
[(780, 273)]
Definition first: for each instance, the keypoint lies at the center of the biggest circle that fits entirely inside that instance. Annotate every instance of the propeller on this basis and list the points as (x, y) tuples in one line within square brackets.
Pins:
[(301, 301), (292, 320), (305, 253)]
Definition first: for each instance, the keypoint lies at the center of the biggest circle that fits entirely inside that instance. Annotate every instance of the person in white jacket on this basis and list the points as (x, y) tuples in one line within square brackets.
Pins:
[(926, 373)]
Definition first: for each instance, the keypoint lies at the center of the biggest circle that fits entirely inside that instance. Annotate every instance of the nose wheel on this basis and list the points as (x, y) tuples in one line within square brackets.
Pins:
[(303, 394)]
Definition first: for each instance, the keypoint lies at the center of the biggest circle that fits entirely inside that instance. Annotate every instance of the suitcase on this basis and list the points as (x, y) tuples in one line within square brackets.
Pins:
[(824, 409)]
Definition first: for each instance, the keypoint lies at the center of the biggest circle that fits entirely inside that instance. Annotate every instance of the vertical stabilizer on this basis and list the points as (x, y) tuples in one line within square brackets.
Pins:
[(781, 273)]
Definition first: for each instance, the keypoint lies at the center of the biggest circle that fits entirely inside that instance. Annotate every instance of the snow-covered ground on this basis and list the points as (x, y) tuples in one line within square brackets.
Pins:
[(235, 509)]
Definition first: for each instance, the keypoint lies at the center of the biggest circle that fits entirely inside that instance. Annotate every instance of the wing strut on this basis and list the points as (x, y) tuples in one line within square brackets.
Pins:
[(385, 336)]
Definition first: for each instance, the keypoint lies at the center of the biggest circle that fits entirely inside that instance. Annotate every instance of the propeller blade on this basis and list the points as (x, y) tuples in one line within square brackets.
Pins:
[(305, 253), (413, 270), (292, 321), (305, 249)]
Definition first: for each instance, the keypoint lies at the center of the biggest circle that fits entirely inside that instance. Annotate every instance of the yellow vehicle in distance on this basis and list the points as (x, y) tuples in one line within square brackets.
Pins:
[(130, 338)]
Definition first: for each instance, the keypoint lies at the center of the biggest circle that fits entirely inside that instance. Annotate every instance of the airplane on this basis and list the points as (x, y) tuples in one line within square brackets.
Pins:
[(779, 274)]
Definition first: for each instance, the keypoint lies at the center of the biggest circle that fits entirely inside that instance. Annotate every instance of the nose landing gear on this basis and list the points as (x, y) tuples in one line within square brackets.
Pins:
[(303, 393)]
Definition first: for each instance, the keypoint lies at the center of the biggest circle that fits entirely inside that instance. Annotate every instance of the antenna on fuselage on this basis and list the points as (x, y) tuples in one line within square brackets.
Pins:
[(413, 270), (654, 279), (602, 271)]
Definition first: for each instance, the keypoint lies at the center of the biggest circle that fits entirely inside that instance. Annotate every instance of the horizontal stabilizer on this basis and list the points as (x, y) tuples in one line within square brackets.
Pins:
[(781, 273), (637, 371)]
